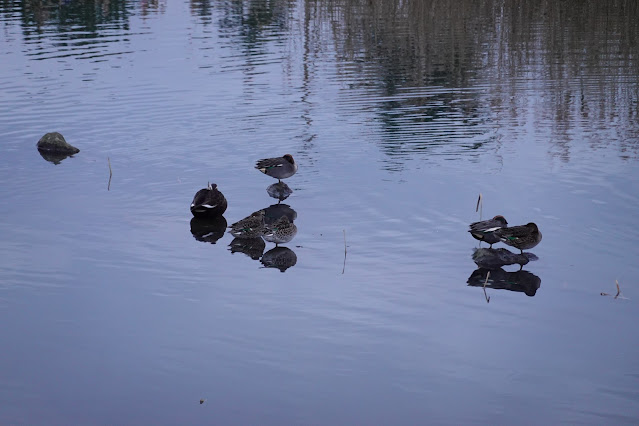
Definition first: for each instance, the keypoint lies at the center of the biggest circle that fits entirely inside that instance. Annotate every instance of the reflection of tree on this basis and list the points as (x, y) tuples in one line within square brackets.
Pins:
[(586, 54), (202, 8), (414, 43), (82, 19), (578, 59), (73, 15), (430, 47), (435, 73), (70, 25), (252, 21), (444, 75)]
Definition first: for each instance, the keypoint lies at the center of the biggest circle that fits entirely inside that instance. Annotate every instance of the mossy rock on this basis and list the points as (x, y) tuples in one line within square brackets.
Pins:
[(54, 142)]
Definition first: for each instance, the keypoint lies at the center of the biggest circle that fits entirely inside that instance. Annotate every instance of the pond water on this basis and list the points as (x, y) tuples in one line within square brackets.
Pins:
[(117, 309)]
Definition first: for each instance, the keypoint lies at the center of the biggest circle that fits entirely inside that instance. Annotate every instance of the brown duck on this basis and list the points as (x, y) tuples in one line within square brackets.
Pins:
[(523, 237)]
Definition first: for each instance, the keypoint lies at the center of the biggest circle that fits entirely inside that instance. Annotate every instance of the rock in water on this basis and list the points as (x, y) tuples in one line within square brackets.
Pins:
[(54, 142), (279, 190), (496, 258), (281, 258)]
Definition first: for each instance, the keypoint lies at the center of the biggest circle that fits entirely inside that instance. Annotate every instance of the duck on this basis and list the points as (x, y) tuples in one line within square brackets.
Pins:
[(523, 237), (281, 231), (485, 229), (278, 168), (250, 227), (208, 202)]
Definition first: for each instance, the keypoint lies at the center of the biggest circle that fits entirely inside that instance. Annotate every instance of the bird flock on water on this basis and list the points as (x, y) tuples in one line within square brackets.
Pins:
[(274, 224), (277, 226)]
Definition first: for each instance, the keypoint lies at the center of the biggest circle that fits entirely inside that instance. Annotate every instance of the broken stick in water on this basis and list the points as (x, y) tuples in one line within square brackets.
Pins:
[(344, 267), (110, 174), (480, 205)]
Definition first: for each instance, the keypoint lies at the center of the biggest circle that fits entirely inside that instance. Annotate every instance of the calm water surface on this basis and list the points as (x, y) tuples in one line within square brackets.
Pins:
[(399, 113)]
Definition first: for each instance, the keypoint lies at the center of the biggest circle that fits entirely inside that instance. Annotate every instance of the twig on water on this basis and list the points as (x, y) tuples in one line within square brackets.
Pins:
[(344, 267), (618, 295), (110, 174), (480, 205), (485, 282)]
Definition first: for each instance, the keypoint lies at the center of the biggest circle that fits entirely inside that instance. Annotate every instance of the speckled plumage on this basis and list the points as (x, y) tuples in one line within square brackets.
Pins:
[(281, 231), (523, 237), (250, 227)]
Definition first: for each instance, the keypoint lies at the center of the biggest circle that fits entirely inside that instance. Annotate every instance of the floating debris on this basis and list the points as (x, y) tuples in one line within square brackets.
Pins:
[(110, 174), (344, 267), (618, 295)]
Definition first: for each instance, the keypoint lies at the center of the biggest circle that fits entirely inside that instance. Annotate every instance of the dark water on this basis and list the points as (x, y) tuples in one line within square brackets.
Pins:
[(399, 113)]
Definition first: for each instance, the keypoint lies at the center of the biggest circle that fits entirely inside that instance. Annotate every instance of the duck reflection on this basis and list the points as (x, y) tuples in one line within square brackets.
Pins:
[(280, 191), (520, 281), (274, 212), (281, 258), (490, 258), (208, 230), (252, 247)]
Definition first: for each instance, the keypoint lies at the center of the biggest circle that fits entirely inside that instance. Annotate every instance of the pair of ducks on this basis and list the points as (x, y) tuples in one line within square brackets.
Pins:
[(210, 203), (496, 230)]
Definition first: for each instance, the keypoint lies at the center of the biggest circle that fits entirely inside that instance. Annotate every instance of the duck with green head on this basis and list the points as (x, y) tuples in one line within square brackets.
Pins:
[(278, 167)]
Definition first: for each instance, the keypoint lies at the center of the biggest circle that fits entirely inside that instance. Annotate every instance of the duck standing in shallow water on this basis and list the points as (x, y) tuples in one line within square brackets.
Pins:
[(281, 231), (485, 230), (278, 168), (208, 202), (250, 227), (523, 237)]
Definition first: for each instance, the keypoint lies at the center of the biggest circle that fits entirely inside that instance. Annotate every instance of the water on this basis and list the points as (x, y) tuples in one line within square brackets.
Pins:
[(399, 114)]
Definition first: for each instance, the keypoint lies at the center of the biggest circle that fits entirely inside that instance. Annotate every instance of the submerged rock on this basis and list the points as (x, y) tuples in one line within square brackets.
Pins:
[(281, 258), (279, 190), (54, 143), (252, 247), (496, 258), (520, 281)]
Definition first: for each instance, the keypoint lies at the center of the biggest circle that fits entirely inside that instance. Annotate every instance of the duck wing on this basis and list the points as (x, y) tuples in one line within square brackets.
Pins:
[(269, 163)]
